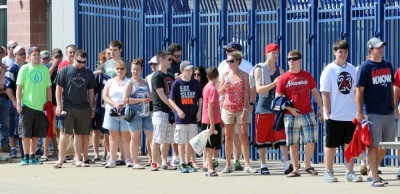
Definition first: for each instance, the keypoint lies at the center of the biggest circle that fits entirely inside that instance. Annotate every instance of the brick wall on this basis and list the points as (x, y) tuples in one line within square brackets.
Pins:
[(26, 22)]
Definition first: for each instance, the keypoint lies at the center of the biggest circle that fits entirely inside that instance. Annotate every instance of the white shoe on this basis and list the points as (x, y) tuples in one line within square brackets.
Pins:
[(250, 170)]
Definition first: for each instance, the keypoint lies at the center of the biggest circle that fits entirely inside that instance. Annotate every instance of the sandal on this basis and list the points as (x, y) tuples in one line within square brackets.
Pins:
[(148, 163), (293, 174), (311, 171), (89, 161), (44, 158), (138, 166), (377, 184), (57, 165), (81, 164), (380, 179), (205, 169), (196, 166), (97, 158), (212, 173)]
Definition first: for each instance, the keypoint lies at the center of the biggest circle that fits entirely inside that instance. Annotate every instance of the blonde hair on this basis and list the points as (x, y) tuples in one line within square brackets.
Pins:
[(120, 63)]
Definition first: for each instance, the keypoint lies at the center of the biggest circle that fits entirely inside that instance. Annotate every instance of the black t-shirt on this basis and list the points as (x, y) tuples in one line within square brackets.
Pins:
[(175, 69), (53, 85), (164, 81), (75, 84)]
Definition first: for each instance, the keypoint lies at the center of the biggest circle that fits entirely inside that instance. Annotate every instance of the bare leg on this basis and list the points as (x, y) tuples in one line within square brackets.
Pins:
[(294, 154), (309, 153), (26, 145), (85, 147), (209, 153), (114, 141), (64, 138), (149, 137), (156, 153), (34, 143), (164, 152), (121, 150), (175, 150), (46, 143), (373, 162), (96, 142), (126, 138), (244, 139), (349, 165), (229, 133), (106, 144), (261, 153), (78, 147), (284, 152), (181, 148), (237, 146), (191, 156), (329, 155), (134, 144)]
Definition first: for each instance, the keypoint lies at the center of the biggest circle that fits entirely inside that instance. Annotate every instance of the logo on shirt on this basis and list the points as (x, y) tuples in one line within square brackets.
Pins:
[(78, 80), (381, 76), (168, 84), (36, 77), (298, 83), (186, 95), (145, 108), (345, 82)]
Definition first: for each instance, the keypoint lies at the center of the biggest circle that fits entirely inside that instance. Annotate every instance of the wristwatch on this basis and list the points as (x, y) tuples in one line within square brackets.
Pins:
[(251, 103)]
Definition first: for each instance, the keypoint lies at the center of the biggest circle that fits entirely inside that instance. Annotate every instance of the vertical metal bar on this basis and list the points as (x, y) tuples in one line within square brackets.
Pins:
[(282, 35), (223, 28), (196, 32), (77, 25), (167, 24), (252, 59), (121, 25)]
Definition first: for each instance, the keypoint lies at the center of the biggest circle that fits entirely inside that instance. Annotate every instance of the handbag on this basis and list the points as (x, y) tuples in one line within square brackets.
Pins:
[(129, 113)]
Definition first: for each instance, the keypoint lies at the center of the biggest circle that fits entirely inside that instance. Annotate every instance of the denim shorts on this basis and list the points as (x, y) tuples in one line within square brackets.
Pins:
[(115, 123), (138, 123)]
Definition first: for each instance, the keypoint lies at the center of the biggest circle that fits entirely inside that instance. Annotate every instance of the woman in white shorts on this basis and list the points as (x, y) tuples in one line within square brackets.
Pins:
[(117, 126), (137, 94)]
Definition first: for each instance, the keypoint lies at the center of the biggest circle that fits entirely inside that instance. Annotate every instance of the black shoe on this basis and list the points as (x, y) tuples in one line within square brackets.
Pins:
[(289, 170), (264, 171), (120, 163), (183, 168)]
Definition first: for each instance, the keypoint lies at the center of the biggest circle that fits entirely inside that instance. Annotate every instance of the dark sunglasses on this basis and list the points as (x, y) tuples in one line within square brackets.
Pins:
[(81, 62), (196, 74), (153, 64), (13, 47), (293, 58), (120, 68), (177, 56), (231, 61), (20, 54)]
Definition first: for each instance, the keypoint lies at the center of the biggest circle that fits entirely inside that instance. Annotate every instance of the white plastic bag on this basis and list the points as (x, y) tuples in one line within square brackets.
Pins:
[(199, 141)]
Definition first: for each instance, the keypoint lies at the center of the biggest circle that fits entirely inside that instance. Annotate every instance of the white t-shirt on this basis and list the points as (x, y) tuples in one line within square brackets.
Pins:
[(340, 82), (148, 80), (223, 67)]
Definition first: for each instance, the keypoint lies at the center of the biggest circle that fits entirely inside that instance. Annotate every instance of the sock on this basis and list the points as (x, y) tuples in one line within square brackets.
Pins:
[(32, 156), (264, 165), (286, 165), (13, 148), (175, 158), (26, 156)]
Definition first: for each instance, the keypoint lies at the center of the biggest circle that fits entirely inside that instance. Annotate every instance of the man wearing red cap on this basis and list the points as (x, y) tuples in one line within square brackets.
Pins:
[(33, 90), (266, 76)]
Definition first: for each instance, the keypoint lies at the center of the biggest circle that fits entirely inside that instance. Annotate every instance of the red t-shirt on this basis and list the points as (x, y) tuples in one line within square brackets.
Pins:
[(210, 94), (297, 87), (63, 64), (397, 80)]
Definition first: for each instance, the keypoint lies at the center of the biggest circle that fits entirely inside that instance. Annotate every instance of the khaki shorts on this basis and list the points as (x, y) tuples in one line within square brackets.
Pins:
[(234, 118), (77, 121), (55, 123)]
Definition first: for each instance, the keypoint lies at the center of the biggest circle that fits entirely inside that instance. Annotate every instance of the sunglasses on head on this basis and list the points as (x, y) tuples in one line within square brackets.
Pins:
[(231, 61), (293, 58), (82, 62)]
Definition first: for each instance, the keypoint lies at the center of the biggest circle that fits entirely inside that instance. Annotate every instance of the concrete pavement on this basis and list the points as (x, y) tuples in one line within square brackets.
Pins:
[(96, 179)]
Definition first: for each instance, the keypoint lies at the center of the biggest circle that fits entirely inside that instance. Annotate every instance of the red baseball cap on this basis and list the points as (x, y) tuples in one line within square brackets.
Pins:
[(271, 47)]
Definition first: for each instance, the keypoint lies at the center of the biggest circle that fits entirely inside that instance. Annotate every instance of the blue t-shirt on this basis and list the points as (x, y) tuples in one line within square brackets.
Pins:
[(186, 96), (10, 78), (377, 79)]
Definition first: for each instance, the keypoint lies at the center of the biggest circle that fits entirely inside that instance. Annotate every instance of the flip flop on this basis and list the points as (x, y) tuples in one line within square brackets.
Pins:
[(81, 164), (148, 163), (89, 161), (44, 158), (311, 171), (196, 166), (212, 174), (377, 184), (96, 158), (138, 166), (293, 174), (380, 179), (57, 165)]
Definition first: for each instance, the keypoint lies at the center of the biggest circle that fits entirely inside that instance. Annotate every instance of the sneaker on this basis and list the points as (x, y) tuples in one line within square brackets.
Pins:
[(352, 177), (238, 166), (191, 168), (5, 148), (183, 168), (153, 167), (111, 164), (215, 163), (264, 171), (227, 169), (13, 153), (168, 166), (39, 152), (24, 162), (289, 170), (250, 170), (330, 177), (363, 170), (35, 161), (175, 162), (129, 163)]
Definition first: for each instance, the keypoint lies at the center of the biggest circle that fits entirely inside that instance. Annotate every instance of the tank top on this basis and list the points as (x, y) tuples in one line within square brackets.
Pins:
[(141, 109), (115, 91), (264, 104), (234, 97)]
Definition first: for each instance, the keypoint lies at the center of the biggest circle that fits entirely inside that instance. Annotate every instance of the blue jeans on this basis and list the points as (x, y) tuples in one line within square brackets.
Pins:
[(4, 120), (14, 119)]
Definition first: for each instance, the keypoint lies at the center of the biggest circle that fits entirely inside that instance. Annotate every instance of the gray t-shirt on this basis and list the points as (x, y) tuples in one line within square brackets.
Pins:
[(109, 68), (75, 84)]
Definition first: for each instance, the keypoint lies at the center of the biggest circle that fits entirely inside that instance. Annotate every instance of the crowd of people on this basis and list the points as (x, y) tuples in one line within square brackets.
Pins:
[(64, 102)]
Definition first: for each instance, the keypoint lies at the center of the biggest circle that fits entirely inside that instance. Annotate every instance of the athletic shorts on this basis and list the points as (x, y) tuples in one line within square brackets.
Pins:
[(338, 133), (234, 118), (264, 135), (163, 132), (215, 139), (184, 133), (115, 123), (77, 121), (138, 123), (305, 125), (32, 123), (382, 128)]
